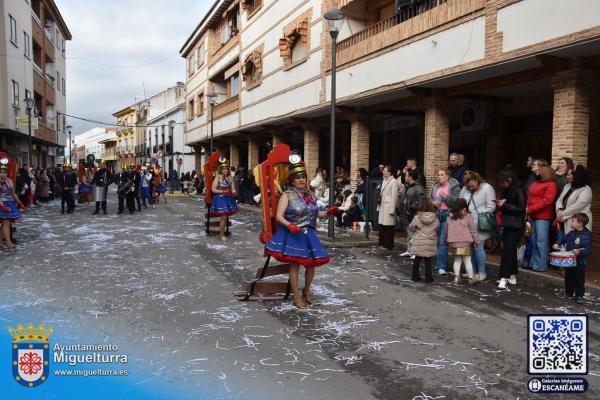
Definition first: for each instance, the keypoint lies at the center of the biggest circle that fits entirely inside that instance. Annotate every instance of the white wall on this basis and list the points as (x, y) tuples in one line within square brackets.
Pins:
[(18, 67), (533, 21), (449, 48)]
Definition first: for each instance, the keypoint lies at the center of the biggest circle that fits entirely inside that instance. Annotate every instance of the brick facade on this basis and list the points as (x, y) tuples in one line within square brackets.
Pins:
[(311, 149), (253, 160), (437, 136), (571, 117), (359, 148), (234, 154)]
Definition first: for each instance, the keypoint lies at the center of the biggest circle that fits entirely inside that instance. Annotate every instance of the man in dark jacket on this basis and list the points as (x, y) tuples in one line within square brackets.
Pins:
[(413, 197), (456, 168), (102, 179), (411, 164), (67, 183)]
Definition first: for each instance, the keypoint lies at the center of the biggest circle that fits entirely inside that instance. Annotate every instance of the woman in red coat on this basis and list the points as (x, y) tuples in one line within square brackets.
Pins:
[(540, 200)]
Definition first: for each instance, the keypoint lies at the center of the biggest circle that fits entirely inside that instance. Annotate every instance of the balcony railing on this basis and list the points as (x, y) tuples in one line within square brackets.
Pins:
[(37, 69), (404, 14)]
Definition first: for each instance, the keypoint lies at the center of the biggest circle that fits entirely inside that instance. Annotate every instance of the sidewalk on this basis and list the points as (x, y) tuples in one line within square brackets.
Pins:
[(345, 239)]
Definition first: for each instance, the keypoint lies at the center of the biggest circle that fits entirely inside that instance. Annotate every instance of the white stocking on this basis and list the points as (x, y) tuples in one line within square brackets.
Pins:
[(468, 266), (456, 265)]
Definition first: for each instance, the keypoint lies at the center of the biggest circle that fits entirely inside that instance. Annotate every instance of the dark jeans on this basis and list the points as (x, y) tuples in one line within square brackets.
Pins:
[(508, 262), (575, 280), (386, 236), (416, 276)]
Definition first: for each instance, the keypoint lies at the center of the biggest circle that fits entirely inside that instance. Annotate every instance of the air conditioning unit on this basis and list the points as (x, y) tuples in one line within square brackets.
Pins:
[(476, 117)]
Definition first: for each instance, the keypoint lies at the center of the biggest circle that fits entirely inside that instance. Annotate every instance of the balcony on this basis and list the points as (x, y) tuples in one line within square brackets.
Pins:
[(409, 21), (109, 154), (227, 107)]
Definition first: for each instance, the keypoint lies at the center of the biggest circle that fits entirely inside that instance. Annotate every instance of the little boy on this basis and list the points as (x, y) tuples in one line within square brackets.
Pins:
[(578, 241)]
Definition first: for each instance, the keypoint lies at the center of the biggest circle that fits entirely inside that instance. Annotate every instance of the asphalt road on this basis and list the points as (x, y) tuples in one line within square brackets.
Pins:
[(155, 284)]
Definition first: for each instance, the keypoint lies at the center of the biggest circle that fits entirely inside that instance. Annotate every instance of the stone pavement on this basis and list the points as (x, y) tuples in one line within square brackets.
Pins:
[(156, 285)]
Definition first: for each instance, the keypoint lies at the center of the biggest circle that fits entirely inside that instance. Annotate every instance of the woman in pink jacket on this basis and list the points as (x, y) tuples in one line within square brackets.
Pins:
[(460, 234)]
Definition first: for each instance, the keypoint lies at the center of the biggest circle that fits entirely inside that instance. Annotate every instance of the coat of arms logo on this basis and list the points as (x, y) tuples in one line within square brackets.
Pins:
[(30, 354)]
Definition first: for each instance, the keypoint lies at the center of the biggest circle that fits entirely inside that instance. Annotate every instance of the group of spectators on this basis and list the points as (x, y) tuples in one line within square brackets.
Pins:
[(462, 212), (35, 185)]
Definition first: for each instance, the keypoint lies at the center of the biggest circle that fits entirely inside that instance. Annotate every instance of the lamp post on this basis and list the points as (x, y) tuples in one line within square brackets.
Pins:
[(29, 110), (171, 138), (212, 99), (69, 127), (164, 152), (334, 18)]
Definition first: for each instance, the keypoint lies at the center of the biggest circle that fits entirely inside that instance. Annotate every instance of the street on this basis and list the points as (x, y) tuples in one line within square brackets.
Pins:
[(155, 285)]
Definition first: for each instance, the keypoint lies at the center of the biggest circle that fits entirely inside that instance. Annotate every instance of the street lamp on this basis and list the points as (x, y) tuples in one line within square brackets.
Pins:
[(334, 18), (212, 100), (69, 127), (29, 110), (164, 152)]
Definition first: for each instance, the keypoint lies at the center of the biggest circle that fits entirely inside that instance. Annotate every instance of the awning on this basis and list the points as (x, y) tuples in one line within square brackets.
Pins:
[(232, 71)]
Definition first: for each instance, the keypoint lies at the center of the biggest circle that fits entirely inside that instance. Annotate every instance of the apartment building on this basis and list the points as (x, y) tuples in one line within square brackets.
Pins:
[(126, 135), (33, 39), (496, 80), (93, 141), (152, 130)]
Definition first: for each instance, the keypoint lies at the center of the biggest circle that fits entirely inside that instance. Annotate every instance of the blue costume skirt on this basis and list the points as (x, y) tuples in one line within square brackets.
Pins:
[(302, 248), (84, 189), (161, 188), (223, 205), (12, 214)]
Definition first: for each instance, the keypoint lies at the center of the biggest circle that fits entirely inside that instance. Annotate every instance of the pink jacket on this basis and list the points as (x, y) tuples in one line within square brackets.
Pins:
[(461, 232)]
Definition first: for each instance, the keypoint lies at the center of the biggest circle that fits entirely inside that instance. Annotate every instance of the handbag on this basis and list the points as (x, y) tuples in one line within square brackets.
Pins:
[(486, 221), (528, 229)]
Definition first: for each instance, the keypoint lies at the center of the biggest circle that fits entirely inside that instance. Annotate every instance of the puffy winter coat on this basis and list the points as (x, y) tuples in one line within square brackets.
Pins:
[(425, 225), (540, 200)]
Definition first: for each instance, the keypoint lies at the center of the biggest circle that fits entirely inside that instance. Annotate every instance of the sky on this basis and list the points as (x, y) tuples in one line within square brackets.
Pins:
[(138, 42)]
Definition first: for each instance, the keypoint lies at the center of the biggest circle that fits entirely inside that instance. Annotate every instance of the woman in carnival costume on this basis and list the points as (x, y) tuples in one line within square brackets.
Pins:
[(85, 185), (10, 205), (161, 190), (296, 242), (223, 201)]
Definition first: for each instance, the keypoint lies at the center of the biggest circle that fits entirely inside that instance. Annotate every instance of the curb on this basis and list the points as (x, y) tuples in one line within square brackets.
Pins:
[(555, 282)]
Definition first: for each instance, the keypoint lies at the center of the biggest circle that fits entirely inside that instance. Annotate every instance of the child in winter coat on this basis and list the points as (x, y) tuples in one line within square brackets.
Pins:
[(424, 242), (578, 241), (460, 234)]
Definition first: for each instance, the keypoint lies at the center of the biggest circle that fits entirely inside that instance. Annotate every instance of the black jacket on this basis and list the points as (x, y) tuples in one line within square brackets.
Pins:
[(457, 173), (412, 199), (513, 211), (67, 180), (102, 177)]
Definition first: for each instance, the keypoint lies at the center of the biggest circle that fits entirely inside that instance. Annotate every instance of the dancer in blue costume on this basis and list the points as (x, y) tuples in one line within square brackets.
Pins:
[(10, 205), (296, 242), (224, 194)]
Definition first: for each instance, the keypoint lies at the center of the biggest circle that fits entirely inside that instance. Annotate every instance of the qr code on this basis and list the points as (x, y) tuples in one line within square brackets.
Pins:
[(557, 344)]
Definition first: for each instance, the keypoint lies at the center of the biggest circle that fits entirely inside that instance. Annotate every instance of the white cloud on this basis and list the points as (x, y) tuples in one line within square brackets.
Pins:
[(123, 33)]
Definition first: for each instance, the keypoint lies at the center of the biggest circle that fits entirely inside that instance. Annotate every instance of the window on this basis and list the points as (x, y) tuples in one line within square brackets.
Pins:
[(200, 100), (62, 40), (192, 64), (234, 85), (295, 45), (64, 86), (191, 110), (252, 68), (15, 93), (13, 30), (251, 6), (58, 80), (201, 55), (228, 27), (27, 45)]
